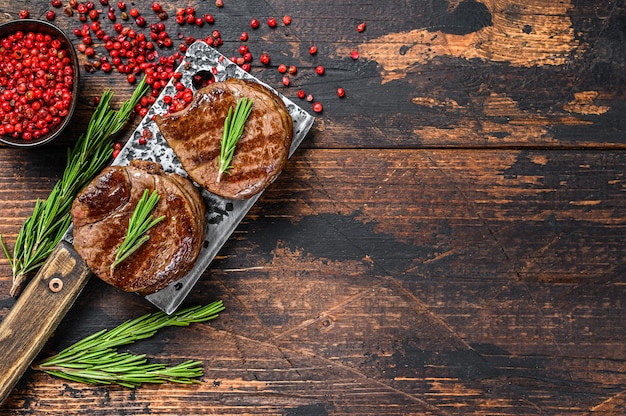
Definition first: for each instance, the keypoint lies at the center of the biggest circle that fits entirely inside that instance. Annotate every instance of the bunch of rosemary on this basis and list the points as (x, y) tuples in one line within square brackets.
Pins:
[(96, 360), (233, 128), (51, 217)]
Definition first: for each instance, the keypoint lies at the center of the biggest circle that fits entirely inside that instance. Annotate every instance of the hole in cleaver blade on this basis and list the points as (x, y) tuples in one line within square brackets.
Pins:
[(223, 215)]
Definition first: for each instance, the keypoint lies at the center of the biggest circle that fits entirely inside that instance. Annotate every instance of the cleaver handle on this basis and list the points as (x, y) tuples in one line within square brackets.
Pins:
[(37, 313)]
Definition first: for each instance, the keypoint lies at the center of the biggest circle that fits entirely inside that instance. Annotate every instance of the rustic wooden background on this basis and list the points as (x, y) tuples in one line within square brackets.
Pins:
[(449, 239)]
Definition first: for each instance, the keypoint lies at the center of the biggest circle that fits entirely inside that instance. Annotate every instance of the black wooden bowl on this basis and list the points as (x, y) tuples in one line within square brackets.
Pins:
[(45, 28)]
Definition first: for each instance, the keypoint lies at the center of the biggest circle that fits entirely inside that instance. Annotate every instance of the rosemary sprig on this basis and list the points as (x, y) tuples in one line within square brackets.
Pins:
[(140, 222), (233, 128), (41, 232), (95, 359)]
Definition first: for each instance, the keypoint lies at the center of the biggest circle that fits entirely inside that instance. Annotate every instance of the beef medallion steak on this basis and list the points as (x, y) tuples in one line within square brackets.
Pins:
[(195, 135), (101, 212)]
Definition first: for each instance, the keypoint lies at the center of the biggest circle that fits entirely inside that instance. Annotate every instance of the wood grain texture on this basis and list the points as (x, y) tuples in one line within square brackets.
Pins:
[(449, 238)]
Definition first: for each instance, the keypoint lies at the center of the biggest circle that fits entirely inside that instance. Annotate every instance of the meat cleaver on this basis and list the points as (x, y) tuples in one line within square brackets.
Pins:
[(51, 293)]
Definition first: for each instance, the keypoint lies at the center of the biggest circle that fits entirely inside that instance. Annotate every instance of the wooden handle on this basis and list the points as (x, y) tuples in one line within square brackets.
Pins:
[(37, 313)]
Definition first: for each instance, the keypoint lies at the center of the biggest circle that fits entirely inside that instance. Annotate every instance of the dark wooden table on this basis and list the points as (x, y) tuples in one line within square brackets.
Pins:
[(449, 239)]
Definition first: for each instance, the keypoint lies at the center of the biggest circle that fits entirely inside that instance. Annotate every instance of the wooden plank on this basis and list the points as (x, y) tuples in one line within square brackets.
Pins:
[(465, 74), (382, 281)]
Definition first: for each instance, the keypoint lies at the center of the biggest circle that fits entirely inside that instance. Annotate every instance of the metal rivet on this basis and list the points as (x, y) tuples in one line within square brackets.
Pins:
[(55, 285)]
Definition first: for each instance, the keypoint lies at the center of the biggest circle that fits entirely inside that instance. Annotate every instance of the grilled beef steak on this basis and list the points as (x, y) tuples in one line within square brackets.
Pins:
[(101, 213), (195, 135)]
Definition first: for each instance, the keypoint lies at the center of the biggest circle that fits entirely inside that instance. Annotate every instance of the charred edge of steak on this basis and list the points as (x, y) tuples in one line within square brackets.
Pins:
[(195, 135), (101, 223)]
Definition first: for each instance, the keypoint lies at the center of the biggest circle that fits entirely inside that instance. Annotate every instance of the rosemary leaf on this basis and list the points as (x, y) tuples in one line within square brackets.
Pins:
[(41, 232), (94, 359), (139, 224), (233, 128)]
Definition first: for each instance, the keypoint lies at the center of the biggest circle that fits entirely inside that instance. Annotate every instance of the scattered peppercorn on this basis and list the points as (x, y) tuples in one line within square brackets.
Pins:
[(134, 54), (50, 15), (354, 55), (341, 92), (317, 107), (360, 27)]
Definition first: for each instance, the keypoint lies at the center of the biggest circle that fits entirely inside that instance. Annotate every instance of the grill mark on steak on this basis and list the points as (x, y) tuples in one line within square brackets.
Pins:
[(195, 135), (101, 213)]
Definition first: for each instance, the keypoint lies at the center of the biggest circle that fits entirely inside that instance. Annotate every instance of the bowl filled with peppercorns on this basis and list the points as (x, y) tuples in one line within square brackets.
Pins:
[(39, 79)]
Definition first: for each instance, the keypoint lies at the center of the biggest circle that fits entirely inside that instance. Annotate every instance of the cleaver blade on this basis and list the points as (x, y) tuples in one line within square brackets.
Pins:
[(223, 215)]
